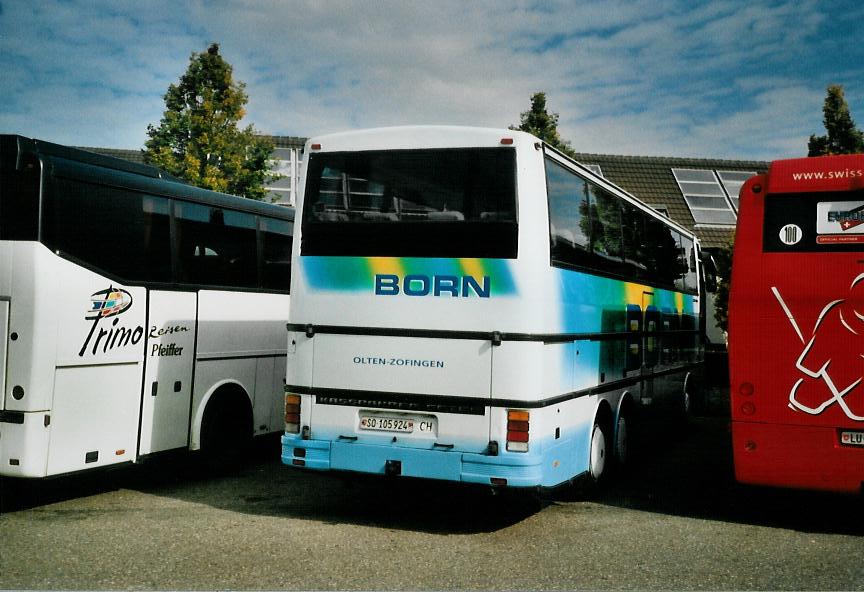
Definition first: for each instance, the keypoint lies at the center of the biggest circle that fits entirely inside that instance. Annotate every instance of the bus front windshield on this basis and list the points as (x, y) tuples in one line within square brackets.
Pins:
[(411, 203)]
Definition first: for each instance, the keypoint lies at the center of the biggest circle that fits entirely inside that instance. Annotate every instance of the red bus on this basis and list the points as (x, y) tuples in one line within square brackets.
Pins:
[(796, 326)]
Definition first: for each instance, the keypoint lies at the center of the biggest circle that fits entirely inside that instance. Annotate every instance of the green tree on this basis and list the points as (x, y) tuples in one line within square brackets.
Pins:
[(198, 138), (543, 124), (843, 137)]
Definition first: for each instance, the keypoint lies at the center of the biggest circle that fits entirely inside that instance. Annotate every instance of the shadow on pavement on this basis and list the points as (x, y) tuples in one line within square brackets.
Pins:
[(687, 470), (265, 487), (683, 469)]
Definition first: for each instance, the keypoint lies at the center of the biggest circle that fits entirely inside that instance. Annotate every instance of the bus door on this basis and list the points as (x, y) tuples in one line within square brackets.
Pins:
[(169, 359)]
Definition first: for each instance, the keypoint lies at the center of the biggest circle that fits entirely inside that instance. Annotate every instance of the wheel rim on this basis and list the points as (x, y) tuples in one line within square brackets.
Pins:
[(621, 442), (598, 453)]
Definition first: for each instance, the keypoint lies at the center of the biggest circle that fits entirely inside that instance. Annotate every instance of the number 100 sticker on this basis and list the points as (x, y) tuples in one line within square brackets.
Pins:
[(791, 234)]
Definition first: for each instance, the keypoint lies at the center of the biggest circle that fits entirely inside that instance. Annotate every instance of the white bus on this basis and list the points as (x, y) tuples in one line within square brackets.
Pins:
[(138, 314), (471, 305)]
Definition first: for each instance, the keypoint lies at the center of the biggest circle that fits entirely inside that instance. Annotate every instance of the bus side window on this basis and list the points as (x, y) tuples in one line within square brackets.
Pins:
[(635, 242), (157, 238), (709, 268), (118, 232), (568, 215), (276, 254), (216, 247), (689, 264), (606, 241)]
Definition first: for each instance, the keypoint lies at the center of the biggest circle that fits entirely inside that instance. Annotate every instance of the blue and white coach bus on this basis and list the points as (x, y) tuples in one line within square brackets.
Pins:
[(472, 305), (137, 314)]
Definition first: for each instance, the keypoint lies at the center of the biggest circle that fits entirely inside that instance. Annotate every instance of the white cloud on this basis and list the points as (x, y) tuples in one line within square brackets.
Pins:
[(726, 78)]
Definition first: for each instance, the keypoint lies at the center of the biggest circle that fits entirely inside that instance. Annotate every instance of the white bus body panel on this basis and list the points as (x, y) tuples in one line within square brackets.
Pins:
[(403, 365), (242, 336), (170, 355), (94, 420), (99, 361), (81, 377)]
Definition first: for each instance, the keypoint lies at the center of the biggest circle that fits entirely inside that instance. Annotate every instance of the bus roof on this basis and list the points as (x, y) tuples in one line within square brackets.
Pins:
[(842, 172), (75, 163), (416, 136)]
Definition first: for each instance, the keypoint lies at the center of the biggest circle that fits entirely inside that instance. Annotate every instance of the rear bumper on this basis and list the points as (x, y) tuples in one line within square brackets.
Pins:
[(519, 470), (802, 457)]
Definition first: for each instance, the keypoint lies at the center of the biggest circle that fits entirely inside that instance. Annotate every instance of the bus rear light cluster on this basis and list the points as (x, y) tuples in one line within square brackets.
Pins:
[(292, 414), (746, 389), (518, 424)]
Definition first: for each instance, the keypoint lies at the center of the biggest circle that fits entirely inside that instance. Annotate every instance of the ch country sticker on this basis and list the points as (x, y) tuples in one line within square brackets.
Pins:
[(105, 304)]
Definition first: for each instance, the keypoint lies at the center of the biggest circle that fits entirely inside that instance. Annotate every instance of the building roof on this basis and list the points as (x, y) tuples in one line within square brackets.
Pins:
[(650, 179), (130, 155), (286, 141)]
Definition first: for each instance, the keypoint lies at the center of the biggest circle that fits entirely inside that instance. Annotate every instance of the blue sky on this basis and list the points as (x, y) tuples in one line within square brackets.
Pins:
[(725, 79)]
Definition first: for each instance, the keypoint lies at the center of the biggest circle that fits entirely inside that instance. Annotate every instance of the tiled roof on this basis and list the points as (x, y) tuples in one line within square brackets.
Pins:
[(130, 155), (286, 141), (650, 179)]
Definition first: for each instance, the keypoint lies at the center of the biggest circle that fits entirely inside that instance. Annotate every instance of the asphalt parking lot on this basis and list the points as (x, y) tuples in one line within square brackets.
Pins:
[(676, 521)]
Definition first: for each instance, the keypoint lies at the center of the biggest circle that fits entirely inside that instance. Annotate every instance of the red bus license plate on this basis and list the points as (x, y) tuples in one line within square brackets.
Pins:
[(852, 438)]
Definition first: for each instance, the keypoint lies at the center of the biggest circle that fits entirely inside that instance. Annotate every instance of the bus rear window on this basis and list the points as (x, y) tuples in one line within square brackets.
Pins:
[(814, 222), (411, 203)]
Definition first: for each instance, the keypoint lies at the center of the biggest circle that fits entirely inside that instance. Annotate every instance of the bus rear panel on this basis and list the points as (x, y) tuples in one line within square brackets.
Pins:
[(432, 334), (796, 321)]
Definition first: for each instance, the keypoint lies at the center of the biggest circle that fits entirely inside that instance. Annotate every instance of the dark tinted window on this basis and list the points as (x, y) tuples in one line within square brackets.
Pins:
[(606, 225), (123, 233), (634, 247), (215, 246), (19, 193), (411, 203), (597, 230), (276, 254), (814, 222), (569, 215), (687, 264), (661, 253)]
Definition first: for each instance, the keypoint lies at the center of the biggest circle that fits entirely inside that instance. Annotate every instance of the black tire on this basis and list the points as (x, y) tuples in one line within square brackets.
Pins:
[(692, 399), (623, 434)]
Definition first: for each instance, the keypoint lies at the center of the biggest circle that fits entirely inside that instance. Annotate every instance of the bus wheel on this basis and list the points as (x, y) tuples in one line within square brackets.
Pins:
[(622, 441), (597, 455), (226, 432), (690, 401)]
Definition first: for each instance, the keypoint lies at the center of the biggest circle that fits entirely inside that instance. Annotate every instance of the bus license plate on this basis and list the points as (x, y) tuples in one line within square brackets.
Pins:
[(383, 423), (852, 438)]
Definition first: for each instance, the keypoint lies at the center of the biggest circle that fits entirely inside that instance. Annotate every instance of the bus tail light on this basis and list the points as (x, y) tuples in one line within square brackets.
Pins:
[(518, 424), (292, 414)]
